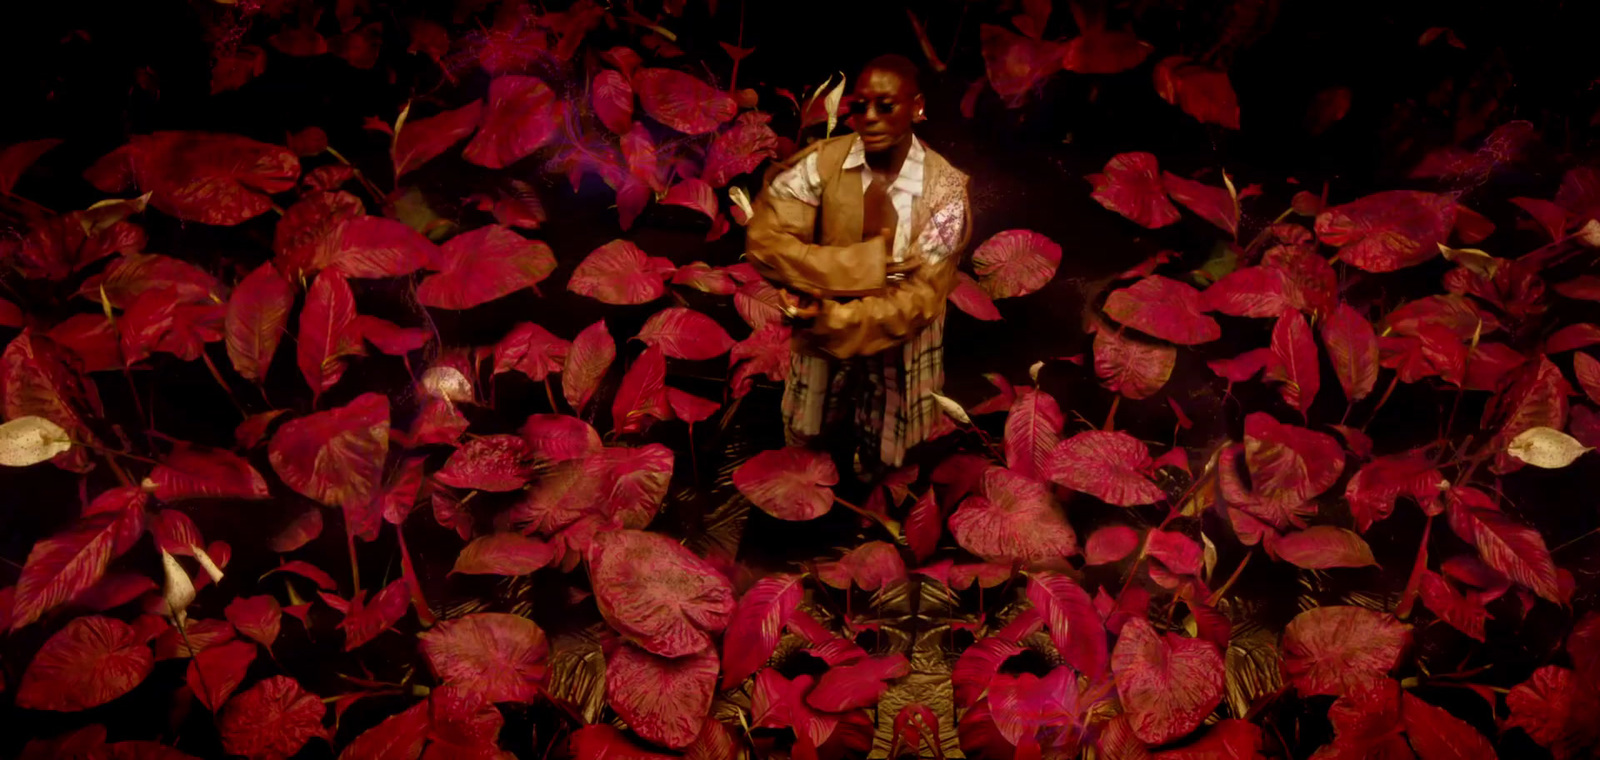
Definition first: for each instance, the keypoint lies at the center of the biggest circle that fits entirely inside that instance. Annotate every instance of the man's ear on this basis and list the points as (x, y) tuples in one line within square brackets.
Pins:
[(919, 105)]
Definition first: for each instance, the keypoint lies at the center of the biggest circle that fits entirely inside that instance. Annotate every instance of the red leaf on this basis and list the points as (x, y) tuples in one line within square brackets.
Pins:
[(1321, 547), (365, 620), (694, 194), (202, 635), (398, 737), (681, 101), (664, 701), (625, 485), (61, 566), (1074, 625), (1110, 544), (1438, 735), (215, 672), (38, 378), (1390, 230), (327, 332), (923, 526), (557, 437), (1556, 708), (485, 264), (523, 115), (690, 408), (1166, 309), (1295, 355), (1107, 465), (1373, 490), (272, 720), (258, 315), (793, 483), (1015, 64), (190, 473), (1226, 740), (488, 463), (257, 617), (757, 625), (1097, 51), (1012, 518), (971, 299), (604, 742), (530, 350), (1016, 263), (870, 566), (113, 590), (1214, 204), (492, 655), (1262, 291), (700, 276), (1572, 337), (334, 457), (389, 337), (1338, 650), (306, 239), (1131, 367), (1201, 91), (1353, 350), (1587, 369), (1464, 612), (399, 496), (658, 594), (1583, 287), (740, 148), (503, 554), (135, 273), (1552, 219), (765, 353), (856, 685), (92, 337), (1505, 544), (198, 176), (1168, 684), (372, 246), (685, 334), (90, 662), (1033, 429), (587, 361), (308, 571), (1131, 187), (422, 140), (620, 274), (1537, 398), (17, 157), (613, 100), (642, 394), (1288, 466)]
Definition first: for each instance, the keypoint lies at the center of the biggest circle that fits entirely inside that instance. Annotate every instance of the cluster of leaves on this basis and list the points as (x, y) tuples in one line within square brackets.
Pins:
[(990, 629)]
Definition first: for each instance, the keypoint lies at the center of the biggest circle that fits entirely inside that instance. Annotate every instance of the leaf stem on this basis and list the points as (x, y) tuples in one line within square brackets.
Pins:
[(1409, 598), (355, 568), (223, 384), (424, 615)]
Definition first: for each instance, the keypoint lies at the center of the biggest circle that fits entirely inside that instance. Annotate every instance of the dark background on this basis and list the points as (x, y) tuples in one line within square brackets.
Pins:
[(96, 72)]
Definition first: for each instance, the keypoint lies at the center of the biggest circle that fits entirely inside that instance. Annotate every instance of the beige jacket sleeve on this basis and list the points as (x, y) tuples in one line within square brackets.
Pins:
[(779, 240)]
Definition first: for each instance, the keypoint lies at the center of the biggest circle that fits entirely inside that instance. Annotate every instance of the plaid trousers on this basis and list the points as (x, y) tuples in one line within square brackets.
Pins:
[(883, 401)]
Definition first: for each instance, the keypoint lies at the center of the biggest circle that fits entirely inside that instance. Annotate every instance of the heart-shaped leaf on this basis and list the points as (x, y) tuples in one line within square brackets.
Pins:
[(790, 484), (663, 700), (657, 593), (1016, 263), (492, 655), (1106, 464), (90, 662), (1168, 684), (335, 457)]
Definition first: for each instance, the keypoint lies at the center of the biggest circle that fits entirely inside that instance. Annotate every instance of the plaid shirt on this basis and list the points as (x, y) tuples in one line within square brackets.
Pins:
[(887, 397)]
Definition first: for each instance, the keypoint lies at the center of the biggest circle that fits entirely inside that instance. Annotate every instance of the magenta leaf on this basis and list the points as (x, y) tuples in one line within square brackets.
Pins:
[(335, 457), (1321, 547), (483, 265), (1163, 308), (757, 623), (870, 566), (1338, 650), (1074, 625), (790, 484), (492, 655), (503, 554), (618, 273), (682, 102), (685, 334), (523, 114), (657, 593), (1033, 429), (858, 684), (1012, 518), (272, 719), (488, 463), (1131, 187), (1295, 361), (1390, 230), (663, 700), (90, 662), (1168, 683), (1108, 465), (1015, 263), (586, 364)]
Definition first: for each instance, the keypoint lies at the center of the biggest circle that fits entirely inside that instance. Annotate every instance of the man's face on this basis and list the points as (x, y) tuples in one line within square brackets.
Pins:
[(881, 109)]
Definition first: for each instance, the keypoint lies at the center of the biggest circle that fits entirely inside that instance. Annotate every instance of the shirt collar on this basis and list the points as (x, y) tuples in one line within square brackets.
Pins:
[(909, 180)]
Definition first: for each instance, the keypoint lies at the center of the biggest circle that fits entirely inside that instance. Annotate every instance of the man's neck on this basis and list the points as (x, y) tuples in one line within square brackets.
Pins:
[(888, 162)]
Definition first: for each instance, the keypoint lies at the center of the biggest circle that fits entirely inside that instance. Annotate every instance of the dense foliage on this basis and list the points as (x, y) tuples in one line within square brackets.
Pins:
[(447, 527)]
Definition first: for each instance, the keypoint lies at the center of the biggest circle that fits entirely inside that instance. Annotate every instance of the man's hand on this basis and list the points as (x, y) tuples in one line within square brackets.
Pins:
[(798, 307)]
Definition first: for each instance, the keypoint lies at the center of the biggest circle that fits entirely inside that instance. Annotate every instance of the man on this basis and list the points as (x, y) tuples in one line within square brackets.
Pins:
[(862, 234)]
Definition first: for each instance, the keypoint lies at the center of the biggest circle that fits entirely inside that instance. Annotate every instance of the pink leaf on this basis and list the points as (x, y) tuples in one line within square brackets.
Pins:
[(1164, 308), (1016, 65), (790, 484), (1110, 544), (1108, 465), (618, 273), (971, 299), (694, 194), (256, 616), (523, 115), (1074, 625), (682, 102), (364, 620), (61, 566), (1338, 650), (335, 457), (1201, 91), (327, 332), (558, 437), (1438, 735), (1033, 429), (690, 408), (756, 626), (685, 334), (398, 737), (700, 276), (923, 526), (491, 655), (215, 672), (489, 463), (1390, 230), (663, 700), (503, 554), (587, 361), (199, 176), (613, 100), (870, 566), (1505, 544), (858, 684), (1168, 684), (1013, 518), (740, 148), (1214, 204), (1464, 612), (1131, 367), (1373, 490), (1323, 546), (1288, 466), (1352, 349), (1131, 187), (372, 246), (642, 394), (1262, 291), (190, 473), (530, 350), (1016, 263), (1554, 706), (657, 593), (272, 720), (1572, 337), (483, 265), (257, 316), (389, 337), (1295, 354), (90, 662)]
